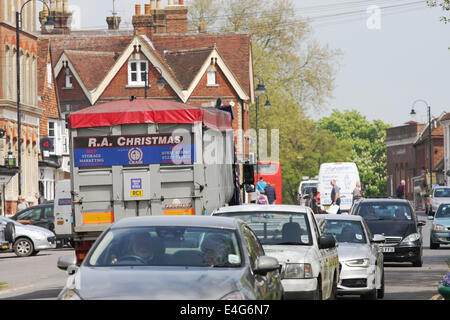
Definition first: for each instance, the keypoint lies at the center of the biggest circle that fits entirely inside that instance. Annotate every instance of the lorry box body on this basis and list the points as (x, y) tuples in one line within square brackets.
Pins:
[(145, 158)]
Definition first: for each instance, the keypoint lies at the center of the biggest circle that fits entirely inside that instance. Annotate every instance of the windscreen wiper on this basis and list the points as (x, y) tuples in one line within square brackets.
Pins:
[(289, 243)]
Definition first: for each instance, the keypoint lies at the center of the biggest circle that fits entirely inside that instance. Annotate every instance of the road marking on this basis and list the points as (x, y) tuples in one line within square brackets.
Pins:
[(436, 297)]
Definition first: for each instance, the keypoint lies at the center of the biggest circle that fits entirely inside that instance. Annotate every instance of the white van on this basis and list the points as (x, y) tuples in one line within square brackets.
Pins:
[(346, 175), (62, 208)]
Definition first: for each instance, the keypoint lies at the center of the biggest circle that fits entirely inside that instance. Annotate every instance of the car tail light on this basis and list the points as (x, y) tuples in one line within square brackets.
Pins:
[(318, 198), (81, 249)]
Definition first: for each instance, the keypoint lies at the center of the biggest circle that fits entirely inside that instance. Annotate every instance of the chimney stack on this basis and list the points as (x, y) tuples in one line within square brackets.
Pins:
[(143, 24), (114, 21), (176, 18)]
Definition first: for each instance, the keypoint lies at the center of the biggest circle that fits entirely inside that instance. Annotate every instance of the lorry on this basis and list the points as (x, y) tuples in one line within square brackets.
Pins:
[(146, 157)]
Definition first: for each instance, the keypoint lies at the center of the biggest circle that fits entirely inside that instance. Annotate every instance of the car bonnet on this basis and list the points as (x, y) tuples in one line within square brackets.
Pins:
[(393, 228), (348, 251), (157, 283)]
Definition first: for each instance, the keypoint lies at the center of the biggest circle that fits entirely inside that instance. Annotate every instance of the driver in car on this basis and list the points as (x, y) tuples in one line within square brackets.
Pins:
[(140, 249)]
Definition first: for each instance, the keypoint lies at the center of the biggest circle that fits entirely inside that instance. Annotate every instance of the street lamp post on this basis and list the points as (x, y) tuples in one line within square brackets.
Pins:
[(413, 112), (260, 90), (49, 26), (160, 83)]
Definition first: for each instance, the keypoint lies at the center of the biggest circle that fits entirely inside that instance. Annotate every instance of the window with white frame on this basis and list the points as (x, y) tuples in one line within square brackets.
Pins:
[(52, 133), (137, 72), (68, 81), (211, 78)]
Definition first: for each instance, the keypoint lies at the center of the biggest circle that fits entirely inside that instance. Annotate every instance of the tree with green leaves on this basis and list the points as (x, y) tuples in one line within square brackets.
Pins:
[(367, 144), (444, 5)]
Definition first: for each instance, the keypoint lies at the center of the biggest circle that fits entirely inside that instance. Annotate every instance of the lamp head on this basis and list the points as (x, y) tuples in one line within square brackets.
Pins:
[(49, 24), (261, 89), (161, 83), (267, 105), (413, 112)]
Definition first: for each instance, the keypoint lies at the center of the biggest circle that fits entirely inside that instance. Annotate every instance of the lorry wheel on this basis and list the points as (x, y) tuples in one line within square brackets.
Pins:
[(10, 232), (23, 247)]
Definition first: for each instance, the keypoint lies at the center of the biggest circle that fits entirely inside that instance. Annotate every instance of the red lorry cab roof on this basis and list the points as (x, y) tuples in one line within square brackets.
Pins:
[(148, 111)]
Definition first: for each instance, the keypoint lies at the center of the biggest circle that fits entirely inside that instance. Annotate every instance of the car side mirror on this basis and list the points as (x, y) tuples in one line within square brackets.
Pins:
[(265, 264), (66, 261), (378, 238), (326, 242), (430, 217), (421, 223)]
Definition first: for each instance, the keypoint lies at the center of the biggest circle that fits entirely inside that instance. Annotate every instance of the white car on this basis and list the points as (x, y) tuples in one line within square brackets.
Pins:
[(28, 239), (439, 195), (361, 260), (309, 261)]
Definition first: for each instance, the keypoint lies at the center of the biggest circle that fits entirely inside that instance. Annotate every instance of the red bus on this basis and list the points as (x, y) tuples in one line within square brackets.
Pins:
[(271, 172)]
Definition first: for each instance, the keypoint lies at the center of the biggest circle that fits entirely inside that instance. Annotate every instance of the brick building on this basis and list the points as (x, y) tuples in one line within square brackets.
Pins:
[(407, 153), (31, 110), (92, 67)]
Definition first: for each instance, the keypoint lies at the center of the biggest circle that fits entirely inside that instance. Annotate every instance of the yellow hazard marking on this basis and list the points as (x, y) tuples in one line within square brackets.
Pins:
[(137, 193), (179, 212), (436, 297), (98, 217)]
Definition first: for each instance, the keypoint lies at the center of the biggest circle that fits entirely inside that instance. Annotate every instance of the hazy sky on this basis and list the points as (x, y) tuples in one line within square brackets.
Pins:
[(402, 57)]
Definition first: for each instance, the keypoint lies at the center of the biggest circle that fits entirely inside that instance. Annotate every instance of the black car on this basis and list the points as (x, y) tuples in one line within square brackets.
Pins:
[(397, 221), (41, 215)]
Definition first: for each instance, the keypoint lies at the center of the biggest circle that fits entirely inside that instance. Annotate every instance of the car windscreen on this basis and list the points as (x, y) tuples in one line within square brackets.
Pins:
[(277, 227), (344, 230), (167, 246), (384, 211), (443, 211), (442, 193)]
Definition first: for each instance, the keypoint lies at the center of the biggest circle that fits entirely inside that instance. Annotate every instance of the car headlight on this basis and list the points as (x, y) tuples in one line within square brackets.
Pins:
[(69, 295), (412, 237), (362, 263), (297, 271), (438, 227), (235, 295)]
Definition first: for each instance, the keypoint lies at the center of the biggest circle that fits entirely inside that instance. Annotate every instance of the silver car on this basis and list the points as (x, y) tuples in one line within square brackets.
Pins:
[(174, 258), (361, 260), (27, 240)]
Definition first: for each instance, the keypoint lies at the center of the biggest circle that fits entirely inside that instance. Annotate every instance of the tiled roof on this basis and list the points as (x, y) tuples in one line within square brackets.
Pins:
[(234, 48), (183, 54), (186, 63), (92, 67)]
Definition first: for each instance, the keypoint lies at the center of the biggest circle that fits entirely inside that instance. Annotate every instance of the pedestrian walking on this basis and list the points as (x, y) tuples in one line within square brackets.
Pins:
[(22, 204), (401, 190), (270, 193), (262, 198), (335, 195), (357, 192), (261, 185)]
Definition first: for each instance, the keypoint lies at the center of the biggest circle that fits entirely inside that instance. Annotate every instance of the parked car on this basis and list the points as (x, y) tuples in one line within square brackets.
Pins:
[(397, 221), (40, 215), (438, 195), (440, 230), (360, 258), (309, 260), (177, 258), (29, 240)]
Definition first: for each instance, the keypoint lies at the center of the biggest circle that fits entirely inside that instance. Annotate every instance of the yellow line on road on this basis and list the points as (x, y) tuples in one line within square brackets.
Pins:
[(436, 297)]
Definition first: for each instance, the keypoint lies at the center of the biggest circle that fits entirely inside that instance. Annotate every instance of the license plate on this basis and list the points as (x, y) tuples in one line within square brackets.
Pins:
[(387, 249)]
